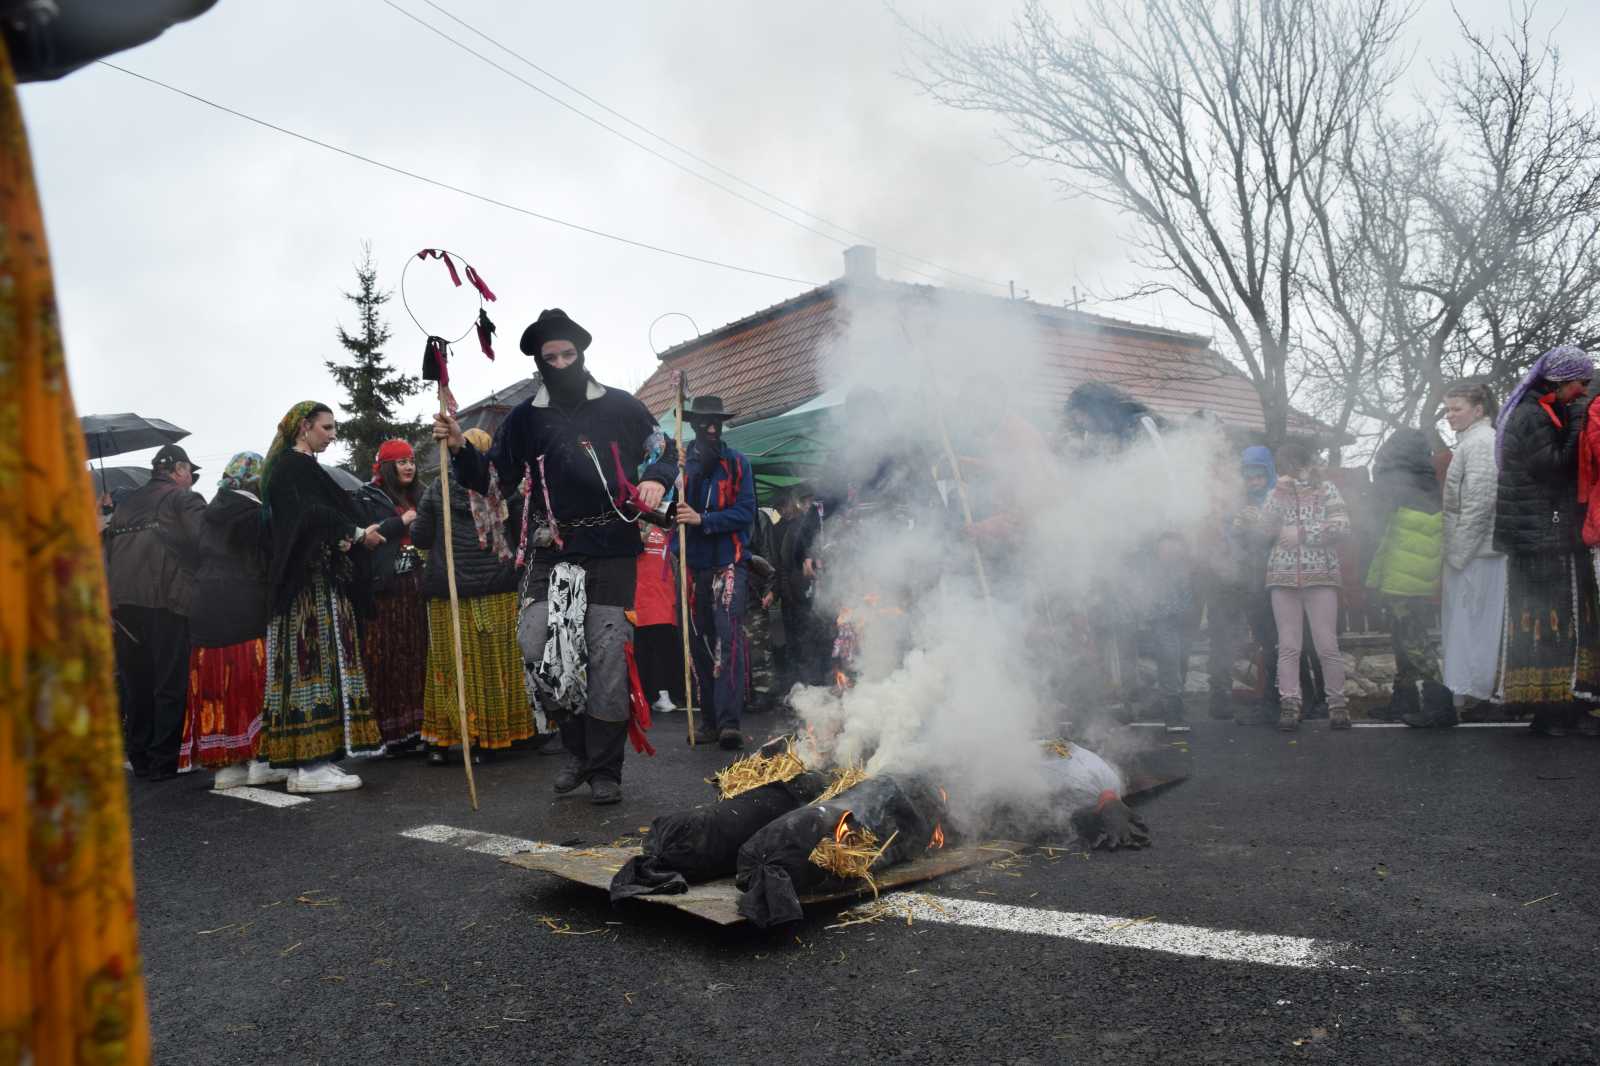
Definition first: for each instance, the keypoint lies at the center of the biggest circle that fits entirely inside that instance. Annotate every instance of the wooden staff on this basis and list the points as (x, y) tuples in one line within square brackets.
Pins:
[(683, 574), (961, 491), (455, 605)]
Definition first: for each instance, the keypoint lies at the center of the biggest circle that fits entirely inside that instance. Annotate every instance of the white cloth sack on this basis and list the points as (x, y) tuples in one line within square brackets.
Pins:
[(562, 674), (1474, 607)]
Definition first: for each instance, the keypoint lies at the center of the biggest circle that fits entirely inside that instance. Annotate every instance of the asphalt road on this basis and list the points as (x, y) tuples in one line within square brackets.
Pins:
[(318, 934)]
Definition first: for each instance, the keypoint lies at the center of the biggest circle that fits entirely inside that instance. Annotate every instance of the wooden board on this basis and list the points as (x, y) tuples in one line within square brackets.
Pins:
[(718, 901)]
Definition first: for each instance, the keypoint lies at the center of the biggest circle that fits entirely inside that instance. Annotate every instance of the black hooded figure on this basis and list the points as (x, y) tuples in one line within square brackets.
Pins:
[(581, 445), (1099, 418), (566, 383)]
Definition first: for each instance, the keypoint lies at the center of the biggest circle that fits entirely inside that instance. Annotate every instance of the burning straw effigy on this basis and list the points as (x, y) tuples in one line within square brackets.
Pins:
[(786, 826)]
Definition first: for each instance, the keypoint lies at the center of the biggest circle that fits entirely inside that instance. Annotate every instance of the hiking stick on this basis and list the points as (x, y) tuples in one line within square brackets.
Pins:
[(455, 605), (683, 574)]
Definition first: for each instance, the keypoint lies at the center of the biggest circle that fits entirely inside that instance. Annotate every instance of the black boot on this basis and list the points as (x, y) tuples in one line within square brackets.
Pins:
[(570, 775), (1406, 701), (1549, 722), (1437, 708)]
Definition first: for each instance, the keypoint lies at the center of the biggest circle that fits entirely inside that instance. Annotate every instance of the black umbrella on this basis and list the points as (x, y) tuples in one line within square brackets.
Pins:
[(344, 478), (115, 479), (127, 432)]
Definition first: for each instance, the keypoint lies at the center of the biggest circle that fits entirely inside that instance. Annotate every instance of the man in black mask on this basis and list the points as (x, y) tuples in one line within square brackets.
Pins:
[(579, 442), (716, 515)]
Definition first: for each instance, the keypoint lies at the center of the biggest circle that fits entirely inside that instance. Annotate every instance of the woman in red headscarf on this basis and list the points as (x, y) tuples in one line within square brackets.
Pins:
[(395, 646)]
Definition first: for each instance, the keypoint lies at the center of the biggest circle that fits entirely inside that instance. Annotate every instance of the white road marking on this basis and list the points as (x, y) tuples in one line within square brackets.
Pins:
[(261, 795), (482, 843), (1458, 725), (1377, 725), (1225, 945)]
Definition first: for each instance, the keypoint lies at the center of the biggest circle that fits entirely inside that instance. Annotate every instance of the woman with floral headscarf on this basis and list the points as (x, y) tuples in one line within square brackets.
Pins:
[(1550, 651), (318, 709), (394, 643), (227, 634), (498, 710)]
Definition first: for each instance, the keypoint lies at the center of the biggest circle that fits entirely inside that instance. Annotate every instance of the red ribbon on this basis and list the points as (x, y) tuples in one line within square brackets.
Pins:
[(435, 361), (439, 253), (477, 281), (638, 706), (1108, 796)]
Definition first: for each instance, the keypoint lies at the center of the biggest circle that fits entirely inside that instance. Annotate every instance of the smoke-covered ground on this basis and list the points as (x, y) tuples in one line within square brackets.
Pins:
[(958, 676)]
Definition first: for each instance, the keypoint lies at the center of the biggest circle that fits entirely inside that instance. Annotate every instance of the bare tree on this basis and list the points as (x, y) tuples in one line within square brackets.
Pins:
[(1473, 237), (1212, 125)]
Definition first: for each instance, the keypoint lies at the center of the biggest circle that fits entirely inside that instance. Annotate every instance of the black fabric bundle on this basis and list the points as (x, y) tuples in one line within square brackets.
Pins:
[(775, 867), (703, 844)]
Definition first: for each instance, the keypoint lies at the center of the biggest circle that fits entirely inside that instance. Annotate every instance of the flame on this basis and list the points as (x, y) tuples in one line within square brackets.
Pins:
[(841, 681), (938, 836), (944, 796), (842, 829)]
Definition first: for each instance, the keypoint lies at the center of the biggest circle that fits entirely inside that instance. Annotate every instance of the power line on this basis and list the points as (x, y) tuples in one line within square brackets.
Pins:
[(436, 183), (887, 249)]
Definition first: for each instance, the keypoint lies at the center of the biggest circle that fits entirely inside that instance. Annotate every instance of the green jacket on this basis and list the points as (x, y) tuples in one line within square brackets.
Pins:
[(1409, 556)]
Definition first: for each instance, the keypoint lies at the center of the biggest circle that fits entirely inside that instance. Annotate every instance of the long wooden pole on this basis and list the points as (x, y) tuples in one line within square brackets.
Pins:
[(961, 490), (683, 574), (455, 608)]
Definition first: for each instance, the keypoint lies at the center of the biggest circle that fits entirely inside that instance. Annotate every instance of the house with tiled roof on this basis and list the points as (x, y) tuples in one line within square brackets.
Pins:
[(771, 362)]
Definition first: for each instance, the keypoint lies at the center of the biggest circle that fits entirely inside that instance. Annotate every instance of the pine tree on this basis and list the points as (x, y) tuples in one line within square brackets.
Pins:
[(373, 387)]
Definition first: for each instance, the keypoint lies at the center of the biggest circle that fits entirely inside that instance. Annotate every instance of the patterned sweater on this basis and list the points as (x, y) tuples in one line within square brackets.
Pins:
[(1310, 519)]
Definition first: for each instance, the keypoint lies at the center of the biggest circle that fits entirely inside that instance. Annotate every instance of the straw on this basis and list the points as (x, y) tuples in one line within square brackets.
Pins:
[(1059, 748), (756, 770), (844, 778), (850, 854)]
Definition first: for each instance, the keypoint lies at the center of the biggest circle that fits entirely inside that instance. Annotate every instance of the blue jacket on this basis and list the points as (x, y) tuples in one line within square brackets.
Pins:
[(727, 504)]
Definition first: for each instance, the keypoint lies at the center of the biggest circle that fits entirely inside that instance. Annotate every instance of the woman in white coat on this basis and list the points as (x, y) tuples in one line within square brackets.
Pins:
[(1474, 573)]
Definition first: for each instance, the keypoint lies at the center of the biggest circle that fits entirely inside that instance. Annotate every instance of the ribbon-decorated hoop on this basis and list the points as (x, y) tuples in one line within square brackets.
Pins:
[(436, 352)]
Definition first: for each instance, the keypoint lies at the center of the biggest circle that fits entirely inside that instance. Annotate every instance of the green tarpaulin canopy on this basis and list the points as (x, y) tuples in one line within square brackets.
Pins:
[(783, 449)]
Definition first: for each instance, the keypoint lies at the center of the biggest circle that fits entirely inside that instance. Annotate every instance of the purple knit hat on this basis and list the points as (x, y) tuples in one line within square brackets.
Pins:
[(1566, 363)]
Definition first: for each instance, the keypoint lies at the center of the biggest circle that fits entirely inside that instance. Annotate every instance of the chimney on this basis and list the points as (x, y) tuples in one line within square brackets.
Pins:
[(861, 264)]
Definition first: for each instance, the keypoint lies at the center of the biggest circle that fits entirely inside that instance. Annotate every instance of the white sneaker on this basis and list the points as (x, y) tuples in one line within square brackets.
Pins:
[(263, 774), (337, 769), (663, 704), (231, 777), (323, 777)]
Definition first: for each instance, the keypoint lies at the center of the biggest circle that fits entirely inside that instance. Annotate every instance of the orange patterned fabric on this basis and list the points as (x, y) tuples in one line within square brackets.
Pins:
[(71, 985), (227, 691)]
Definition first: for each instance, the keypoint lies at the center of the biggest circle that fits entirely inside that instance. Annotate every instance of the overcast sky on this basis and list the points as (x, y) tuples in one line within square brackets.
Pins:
[(200, 259)]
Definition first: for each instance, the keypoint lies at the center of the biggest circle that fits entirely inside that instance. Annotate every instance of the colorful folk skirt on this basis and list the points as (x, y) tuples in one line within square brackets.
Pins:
[(394, 649), (227, 690), (1550, 651), (71, 977), (497, 701), (317, 703)]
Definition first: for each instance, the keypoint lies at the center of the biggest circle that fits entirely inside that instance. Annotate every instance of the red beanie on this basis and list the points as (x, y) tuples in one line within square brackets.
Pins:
[(391, 451)]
